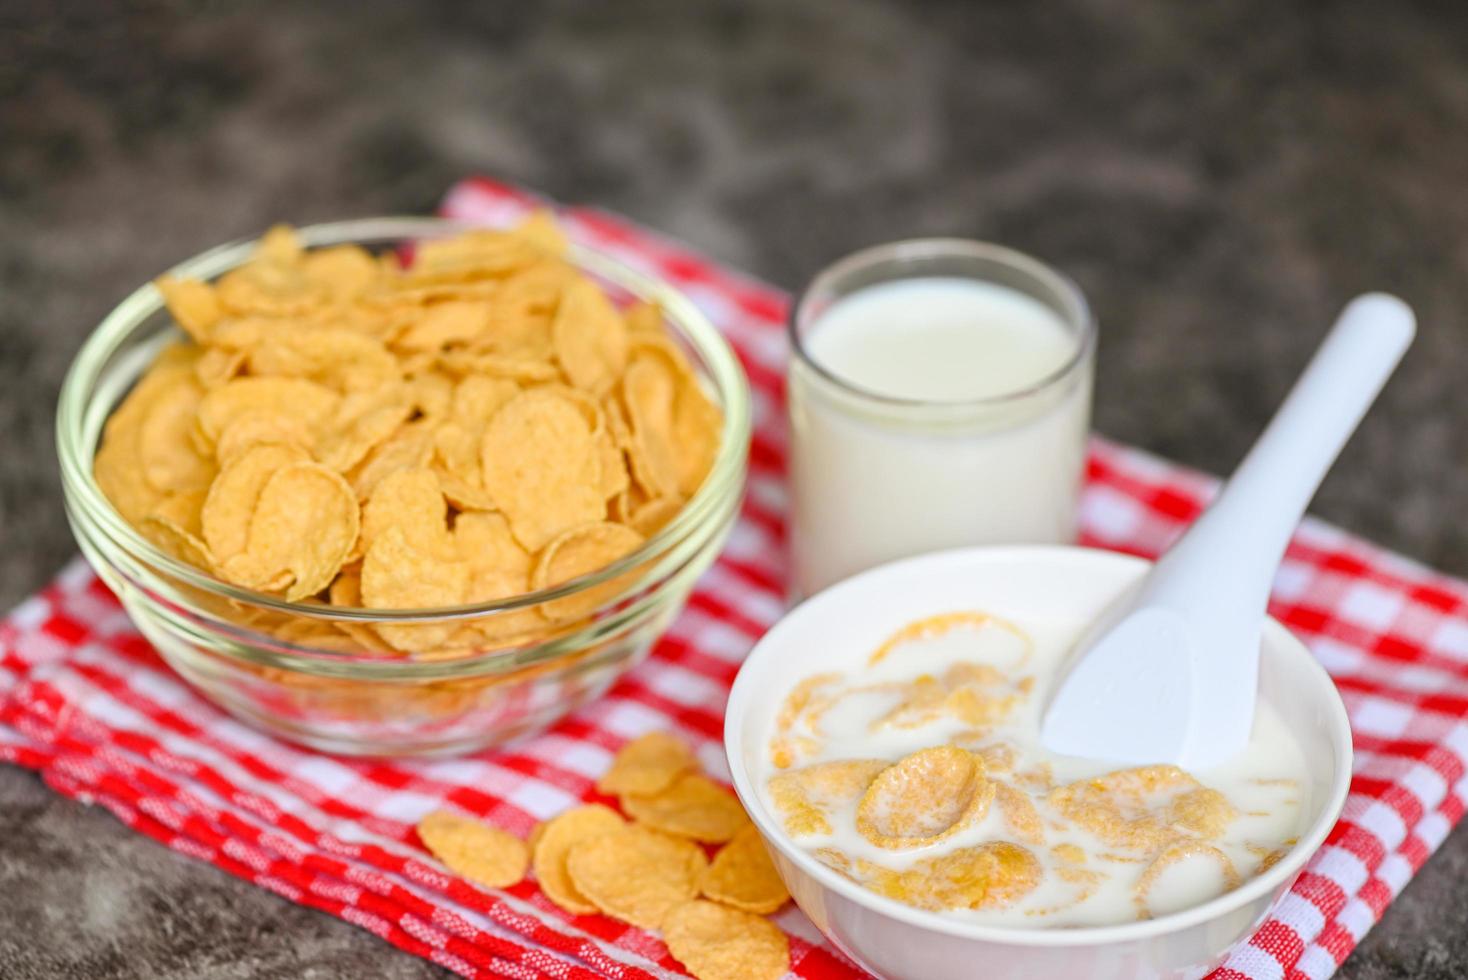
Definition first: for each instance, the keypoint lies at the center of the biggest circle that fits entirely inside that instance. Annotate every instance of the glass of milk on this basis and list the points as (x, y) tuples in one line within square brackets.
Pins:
[(940, 394)]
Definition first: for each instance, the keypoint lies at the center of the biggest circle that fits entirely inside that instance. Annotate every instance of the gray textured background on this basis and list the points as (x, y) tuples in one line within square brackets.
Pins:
[(1219, 178)]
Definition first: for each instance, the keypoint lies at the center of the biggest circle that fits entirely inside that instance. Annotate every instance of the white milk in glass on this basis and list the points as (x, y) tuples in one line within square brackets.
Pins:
[(929, 413)]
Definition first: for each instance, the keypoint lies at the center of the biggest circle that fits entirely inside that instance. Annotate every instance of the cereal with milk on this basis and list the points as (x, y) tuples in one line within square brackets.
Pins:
[(921, 777)]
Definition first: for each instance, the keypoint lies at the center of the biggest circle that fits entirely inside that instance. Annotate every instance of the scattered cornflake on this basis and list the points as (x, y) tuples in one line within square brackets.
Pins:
[(636, 874), (719, 943), (743, 876), (647, 765), (552, 842), (693, 806), (485, 855)]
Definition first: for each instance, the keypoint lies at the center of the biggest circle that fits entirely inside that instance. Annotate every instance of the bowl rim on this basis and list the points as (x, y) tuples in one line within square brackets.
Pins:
[(743, 693), (74, 418)]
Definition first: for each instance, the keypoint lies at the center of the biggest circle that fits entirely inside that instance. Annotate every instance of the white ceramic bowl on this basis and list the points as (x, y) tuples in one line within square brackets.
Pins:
[(836, 630)]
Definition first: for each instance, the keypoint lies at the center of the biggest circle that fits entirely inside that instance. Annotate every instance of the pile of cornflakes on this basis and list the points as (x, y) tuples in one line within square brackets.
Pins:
[(470, 423), (653, 870), (1150, 818)]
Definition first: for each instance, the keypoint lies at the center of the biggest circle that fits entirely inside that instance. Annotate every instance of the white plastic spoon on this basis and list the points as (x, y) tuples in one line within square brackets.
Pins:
[(1170, 672)]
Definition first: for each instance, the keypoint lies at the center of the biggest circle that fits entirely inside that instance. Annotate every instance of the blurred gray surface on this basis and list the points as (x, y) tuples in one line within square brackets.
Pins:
[(1219, 178)]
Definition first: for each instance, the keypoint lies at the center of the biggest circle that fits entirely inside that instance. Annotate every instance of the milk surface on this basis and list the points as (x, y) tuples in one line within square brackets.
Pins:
[(936, 339), (1266, 783), (872, 482)]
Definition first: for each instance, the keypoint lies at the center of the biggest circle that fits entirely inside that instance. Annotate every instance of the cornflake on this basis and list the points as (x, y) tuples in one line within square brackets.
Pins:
[(806, 797), (1021, 818), (485, 855), (924, 798), (933, 627), (1144, 809), (719, 943), (304, 525), (235, 494), (647, 765), (541, 468), (694, 806), (590, 338), (1176, 853), (788, 745), (742, 875), (992, 875), (553, 841), (171, 461), (577, 552), (589, 859), (636, 874)]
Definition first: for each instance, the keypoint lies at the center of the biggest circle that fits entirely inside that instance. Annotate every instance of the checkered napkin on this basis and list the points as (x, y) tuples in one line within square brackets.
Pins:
[(86, 702)]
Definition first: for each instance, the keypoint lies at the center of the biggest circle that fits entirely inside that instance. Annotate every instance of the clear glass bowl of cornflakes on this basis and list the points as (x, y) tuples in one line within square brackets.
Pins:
[(309, 610)]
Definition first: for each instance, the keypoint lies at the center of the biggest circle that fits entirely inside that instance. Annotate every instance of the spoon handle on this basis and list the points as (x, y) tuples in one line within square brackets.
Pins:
[(1219, 574), (1243, 535)]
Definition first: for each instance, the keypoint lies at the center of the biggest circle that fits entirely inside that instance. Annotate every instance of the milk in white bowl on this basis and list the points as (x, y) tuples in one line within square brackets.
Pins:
[(1095, 843), (1284, 792), (939, 396)]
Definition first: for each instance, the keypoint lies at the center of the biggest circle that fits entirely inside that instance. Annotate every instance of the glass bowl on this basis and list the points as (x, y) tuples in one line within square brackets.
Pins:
[(292, 668)]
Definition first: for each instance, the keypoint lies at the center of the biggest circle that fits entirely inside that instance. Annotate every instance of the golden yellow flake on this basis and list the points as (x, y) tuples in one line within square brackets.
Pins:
[(485, 855), (719, 943)]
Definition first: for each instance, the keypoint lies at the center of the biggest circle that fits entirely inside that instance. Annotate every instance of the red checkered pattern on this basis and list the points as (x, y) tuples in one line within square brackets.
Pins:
[(86, 702)]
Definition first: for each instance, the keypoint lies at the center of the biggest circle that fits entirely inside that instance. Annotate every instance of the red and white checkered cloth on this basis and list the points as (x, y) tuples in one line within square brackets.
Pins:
[(85, 701)]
